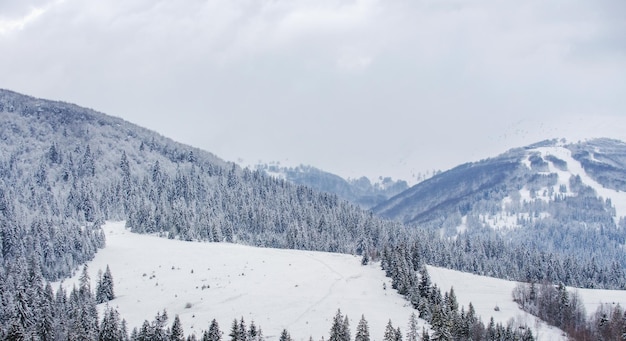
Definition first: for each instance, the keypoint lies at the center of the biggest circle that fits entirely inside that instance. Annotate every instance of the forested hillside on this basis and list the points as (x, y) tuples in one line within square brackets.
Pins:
[(66, 169), (62, 164)]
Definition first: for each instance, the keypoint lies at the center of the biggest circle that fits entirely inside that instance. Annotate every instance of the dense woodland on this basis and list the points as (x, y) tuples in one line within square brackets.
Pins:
[(64, 170)]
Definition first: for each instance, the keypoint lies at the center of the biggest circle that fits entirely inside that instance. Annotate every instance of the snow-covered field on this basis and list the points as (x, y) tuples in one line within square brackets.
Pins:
[(297, 290), (486, 293)]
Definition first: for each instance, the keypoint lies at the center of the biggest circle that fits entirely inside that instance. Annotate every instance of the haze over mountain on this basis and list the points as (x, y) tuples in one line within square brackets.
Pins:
[(360, 87), (360, 191)]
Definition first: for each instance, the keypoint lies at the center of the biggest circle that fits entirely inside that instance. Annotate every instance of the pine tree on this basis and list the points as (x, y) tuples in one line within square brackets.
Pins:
[(339, 328), (146, 332), (84, 283), (124, 330), (255, 333), (45, 328), (177, 334), (412, 334), (390, 332), (346, 329), (398, 334), (441, 324), (234, 331), (242, 331), (214, 333), (284, 336), (158, 326), (362, 330), (110, 328), (104, 290)]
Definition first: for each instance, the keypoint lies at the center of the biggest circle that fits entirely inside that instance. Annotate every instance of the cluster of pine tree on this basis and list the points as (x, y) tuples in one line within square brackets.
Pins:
[(30, 309), (340, 331), (565, 310), (411, 279)]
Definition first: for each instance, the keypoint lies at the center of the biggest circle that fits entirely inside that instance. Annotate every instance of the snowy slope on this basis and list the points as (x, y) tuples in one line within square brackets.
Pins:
[(486, 293), (297, 290)]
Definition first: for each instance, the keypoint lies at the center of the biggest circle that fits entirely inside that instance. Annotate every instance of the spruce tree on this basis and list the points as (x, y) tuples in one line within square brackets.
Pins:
[(234, 331), (177, 333), (398, 334), (412, 334), (214, 333), (390, 332), (104, 290), (362, 330), (339, 328), (284, 336), (110, 328)]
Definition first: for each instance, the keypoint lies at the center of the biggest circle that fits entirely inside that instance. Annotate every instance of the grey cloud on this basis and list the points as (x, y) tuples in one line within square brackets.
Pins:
[(356, 86)]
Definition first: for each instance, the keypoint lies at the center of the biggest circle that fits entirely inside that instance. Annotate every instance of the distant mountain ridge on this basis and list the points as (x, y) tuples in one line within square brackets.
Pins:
[(554, 195), (360, 191), (541, 166)]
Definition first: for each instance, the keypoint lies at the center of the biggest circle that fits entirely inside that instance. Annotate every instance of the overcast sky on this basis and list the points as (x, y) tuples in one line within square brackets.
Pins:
[(356, 87)]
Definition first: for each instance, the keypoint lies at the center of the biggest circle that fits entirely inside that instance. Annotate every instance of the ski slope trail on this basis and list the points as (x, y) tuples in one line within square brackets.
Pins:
[(618, 199)]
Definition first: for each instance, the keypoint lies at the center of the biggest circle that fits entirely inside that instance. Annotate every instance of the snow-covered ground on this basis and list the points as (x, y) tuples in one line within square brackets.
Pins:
[(486, 294), (297, 290)]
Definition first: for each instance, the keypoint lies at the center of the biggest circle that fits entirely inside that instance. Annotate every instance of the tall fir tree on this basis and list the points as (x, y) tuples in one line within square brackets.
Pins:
[(176, 333), (412, 333), (104, 289), (362, 330)]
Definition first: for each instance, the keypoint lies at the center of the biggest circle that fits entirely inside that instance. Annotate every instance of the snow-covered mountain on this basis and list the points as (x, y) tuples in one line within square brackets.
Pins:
[(548, 172), (361, 191), (555, 196), (66, 169)]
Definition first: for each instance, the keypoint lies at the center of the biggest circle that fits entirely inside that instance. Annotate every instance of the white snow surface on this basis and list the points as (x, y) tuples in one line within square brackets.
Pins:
[(485, 293), (297, 290)]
